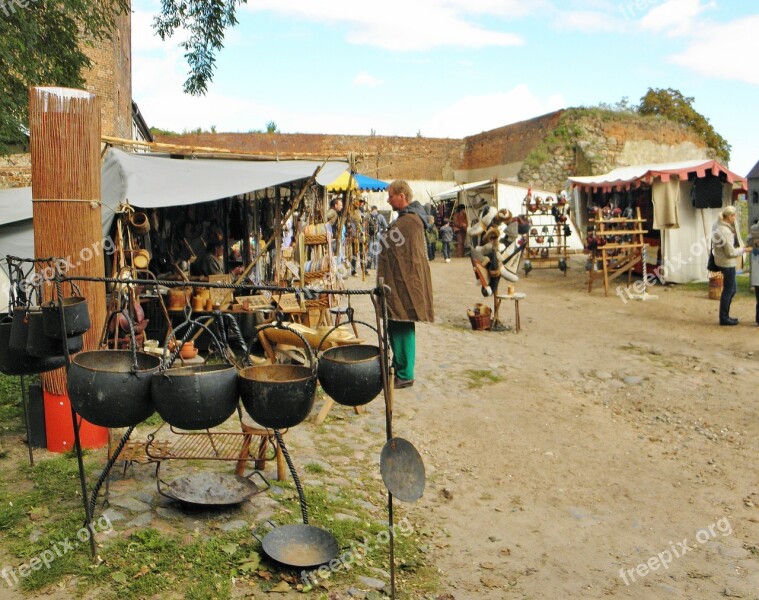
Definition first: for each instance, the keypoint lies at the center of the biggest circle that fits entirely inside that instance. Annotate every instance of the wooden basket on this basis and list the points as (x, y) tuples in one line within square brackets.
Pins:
[(311, 276), (321, 302), (715, 285), (480, 321)]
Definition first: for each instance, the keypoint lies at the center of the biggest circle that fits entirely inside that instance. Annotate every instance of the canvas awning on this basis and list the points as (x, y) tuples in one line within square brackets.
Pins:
[(624, 178), (149, 181), (360, 182)]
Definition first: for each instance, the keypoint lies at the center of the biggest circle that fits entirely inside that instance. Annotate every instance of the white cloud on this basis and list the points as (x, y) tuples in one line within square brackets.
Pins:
[(399, 25), (729, 51), (365, 80), (675, 17), (588, 22), (472, 114)]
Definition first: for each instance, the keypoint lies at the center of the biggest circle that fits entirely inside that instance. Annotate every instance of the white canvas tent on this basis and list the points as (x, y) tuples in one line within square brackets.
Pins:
[(501, 195), (684, 229), (154, 182)]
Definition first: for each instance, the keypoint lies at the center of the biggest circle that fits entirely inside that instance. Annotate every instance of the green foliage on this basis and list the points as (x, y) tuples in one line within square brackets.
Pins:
[(271, 127), (159, 131), (41, 45), (672, 105), (205, 23)]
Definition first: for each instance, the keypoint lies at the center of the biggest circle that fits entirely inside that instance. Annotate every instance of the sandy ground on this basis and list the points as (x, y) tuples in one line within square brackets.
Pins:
[(615, 456), (621, 434)]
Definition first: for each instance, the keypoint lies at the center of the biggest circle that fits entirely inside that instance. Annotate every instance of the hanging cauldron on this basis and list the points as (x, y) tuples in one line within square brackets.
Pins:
[(75, 314), (278, 396), (111, 388), (39, 344), (351, 375), (196, 397), (17, 362)]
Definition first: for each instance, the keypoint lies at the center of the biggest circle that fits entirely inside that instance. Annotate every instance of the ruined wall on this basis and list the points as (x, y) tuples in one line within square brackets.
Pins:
[(591, 142)]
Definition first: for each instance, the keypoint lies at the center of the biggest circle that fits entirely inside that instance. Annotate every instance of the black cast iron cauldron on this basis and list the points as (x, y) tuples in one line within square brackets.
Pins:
[(351, 375), (16, 362), (39, 344), (196, 397), (278, 396), (111, 388), (75, 313)]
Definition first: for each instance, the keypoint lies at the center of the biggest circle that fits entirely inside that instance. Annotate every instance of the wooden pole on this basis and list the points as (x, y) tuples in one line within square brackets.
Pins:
[(64, 132)]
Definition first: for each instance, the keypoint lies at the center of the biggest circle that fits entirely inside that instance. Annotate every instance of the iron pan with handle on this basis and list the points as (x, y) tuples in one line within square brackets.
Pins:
[(211, 489), (299, 545), (402, 470)]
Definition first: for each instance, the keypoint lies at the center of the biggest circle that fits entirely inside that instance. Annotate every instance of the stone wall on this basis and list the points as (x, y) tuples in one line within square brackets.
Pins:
[(15, 171), (592, 141)]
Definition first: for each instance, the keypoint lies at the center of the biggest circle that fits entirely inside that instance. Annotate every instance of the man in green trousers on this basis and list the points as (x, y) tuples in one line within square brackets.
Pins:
[(404, 269)]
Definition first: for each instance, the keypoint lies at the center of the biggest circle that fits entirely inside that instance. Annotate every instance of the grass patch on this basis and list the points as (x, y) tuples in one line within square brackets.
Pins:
[(314, 468), (480, 377)]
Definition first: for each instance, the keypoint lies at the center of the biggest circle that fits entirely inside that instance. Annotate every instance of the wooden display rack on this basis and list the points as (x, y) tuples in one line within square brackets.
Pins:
[(548, 245), (616, 257)]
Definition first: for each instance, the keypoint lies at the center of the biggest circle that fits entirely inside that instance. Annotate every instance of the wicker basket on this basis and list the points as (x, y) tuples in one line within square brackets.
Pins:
[(715, 285), (480, 320), (315, 240), (321, 302)]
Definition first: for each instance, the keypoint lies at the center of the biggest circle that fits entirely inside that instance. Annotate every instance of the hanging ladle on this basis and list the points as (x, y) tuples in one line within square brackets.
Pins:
[(402, 470)]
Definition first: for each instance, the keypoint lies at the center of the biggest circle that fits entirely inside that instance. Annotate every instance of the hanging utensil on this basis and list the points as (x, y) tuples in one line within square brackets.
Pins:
[(402, 470)]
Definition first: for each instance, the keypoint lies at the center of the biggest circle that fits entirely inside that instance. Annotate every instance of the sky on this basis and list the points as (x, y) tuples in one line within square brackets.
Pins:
[(453, 68)]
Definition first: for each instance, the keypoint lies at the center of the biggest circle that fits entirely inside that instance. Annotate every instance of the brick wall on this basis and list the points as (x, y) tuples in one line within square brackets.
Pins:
[(384, 157), (110, 78)]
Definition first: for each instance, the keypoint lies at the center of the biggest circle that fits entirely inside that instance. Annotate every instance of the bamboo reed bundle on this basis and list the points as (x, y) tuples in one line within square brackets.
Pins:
[(64, 127)]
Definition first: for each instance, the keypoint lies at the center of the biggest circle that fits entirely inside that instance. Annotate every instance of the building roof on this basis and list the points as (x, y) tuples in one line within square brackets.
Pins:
[(627, 177), (754, 173)]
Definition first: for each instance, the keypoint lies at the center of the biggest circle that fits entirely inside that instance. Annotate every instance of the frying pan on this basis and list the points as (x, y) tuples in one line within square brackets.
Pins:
[(299, 545), (212, 489), (402, 470)]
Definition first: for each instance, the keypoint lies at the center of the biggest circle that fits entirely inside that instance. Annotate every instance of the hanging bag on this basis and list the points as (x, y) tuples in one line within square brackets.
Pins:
[(711, 265)]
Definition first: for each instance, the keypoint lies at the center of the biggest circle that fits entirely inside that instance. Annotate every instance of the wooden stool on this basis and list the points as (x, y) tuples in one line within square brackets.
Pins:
[(516, 297), (267, 437)]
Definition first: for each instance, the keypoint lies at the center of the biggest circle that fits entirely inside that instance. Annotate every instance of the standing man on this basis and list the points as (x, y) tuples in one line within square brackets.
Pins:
[(446, 237), (403, 267), (460, 225)]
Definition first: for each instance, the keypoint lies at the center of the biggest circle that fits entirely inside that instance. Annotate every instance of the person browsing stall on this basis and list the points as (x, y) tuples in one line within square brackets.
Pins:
[(404, 269), (212, 262), (727, 248)]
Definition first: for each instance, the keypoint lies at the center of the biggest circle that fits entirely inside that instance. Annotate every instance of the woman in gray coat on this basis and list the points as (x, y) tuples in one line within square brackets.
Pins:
[(727, 248)]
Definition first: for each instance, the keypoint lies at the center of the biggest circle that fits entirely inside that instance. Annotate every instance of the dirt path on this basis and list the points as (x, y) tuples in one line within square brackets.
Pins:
[(616, 438), (619, 433)]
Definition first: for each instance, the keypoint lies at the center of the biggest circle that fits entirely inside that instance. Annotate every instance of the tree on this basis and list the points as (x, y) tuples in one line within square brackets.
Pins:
[(672, 105), (41, 44), (205, 22)]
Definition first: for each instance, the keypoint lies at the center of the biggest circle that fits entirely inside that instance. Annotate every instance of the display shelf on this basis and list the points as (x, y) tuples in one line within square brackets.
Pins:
[(546, 239), (608, 260)]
